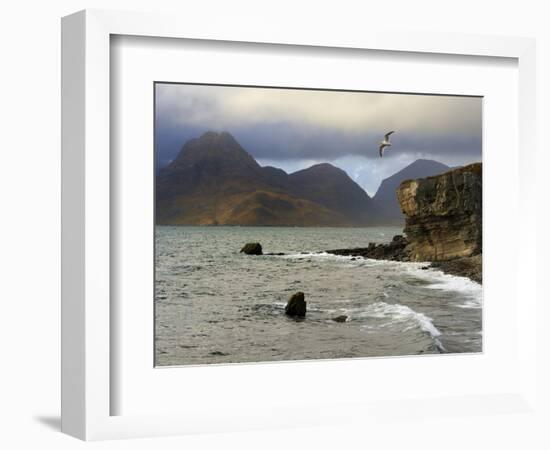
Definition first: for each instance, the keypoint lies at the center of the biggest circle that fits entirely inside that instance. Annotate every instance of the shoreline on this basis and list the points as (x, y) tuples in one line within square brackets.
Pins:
[(397, 250), (469, 267)]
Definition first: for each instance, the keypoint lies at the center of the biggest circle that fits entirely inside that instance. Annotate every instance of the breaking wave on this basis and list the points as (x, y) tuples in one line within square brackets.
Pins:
[(471, 291)]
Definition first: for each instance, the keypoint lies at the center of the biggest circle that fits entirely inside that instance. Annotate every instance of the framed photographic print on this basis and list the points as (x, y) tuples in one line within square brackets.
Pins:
[(280, 253), (251, 216)]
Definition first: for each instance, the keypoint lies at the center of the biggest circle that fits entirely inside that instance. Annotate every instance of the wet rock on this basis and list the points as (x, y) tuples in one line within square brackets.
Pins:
[(340, 319), (443, 224), (218, 353), (296, 305), (396, 250), (470, 267), (443, 214), (252, 248), (274, 254)]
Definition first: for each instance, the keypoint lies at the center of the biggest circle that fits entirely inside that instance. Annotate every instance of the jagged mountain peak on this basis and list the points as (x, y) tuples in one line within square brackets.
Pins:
[(422, 166), (215, 148), (216, 181), (320, 168)]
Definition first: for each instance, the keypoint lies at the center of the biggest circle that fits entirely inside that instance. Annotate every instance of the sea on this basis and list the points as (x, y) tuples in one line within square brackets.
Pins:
[(215, 305)]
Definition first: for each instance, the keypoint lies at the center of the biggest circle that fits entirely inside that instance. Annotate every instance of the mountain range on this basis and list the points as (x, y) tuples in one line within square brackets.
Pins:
[(214, 181)]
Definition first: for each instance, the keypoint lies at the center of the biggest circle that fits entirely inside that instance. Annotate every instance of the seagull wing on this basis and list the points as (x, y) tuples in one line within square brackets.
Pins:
[(381, 149), (387, 135)]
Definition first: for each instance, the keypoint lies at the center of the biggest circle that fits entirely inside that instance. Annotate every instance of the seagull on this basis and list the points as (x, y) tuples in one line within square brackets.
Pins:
[(385, 143)]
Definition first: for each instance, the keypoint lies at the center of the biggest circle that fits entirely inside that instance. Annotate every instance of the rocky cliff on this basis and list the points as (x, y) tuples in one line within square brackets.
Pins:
[(443, 214), (385, 197), (443, 224)]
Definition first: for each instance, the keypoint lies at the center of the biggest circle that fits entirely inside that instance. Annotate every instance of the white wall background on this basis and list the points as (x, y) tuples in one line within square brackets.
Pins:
[(30, 196)]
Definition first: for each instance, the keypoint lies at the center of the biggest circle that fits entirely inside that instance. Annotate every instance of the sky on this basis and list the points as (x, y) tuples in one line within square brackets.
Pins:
[(293, 129)]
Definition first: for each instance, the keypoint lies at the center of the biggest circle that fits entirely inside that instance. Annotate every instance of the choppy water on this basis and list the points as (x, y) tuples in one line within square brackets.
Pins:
[(216, 305)]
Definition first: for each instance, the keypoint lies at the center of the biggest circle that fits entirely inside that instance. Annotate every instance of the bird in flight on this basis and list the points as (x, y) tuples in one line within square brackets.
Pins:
[(385, 143)]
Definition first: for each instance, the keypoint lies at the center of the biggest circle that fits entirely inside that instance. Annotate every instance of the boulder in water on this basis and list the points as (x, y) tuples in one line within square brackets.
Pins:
[(252, 248), (296, 305), (340, 319)]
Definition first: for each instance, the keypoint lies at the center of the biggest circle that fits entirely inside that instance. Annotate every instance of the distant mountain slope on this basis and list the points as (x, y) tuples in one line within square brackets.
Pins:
[(205, 163), (214, 181), (386, 197), (333, 188)]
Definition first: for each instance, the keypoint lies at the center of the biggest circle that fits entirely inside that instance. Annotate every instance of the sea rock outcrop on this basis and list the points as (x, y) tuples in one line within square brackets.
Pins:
[(296, 305), (252, 248), (385, 197), (340, 319), (443, 224), (443, 214), (396, 250)]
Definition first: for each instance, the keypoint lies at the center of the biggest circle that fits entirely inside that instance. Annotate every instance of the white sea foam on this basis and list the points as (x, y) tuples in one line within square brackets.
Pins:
[(470, 290), (282, 305), (396, 313), (317, 255)]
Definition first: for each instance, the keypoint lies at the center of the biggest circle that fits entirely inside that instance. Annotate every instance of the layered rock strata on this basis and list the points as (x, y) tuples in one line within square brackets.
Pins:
[(443, 224), (443, 214)]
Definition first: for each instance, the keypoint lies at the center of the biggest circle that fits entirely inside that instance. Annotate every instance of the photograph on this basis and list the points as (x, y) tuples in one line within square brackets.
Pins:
[(296, 224)]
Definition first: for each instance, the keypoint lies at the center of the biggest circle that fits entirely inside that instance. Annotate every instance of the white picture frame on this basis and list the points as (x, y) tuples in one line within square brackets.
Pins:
[(87, 316)]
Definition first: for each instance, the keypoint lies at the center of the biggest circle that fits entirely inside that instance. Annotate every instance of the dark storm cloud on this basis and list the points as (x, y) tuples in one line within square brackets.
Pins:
[(288, 141), (169, 140), (292, 129), (284, 141)]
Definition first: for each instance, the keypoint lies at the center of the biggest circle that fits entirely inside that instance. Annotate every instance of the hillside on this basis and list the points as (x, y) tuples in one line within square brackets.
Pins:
[(214, 181)]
